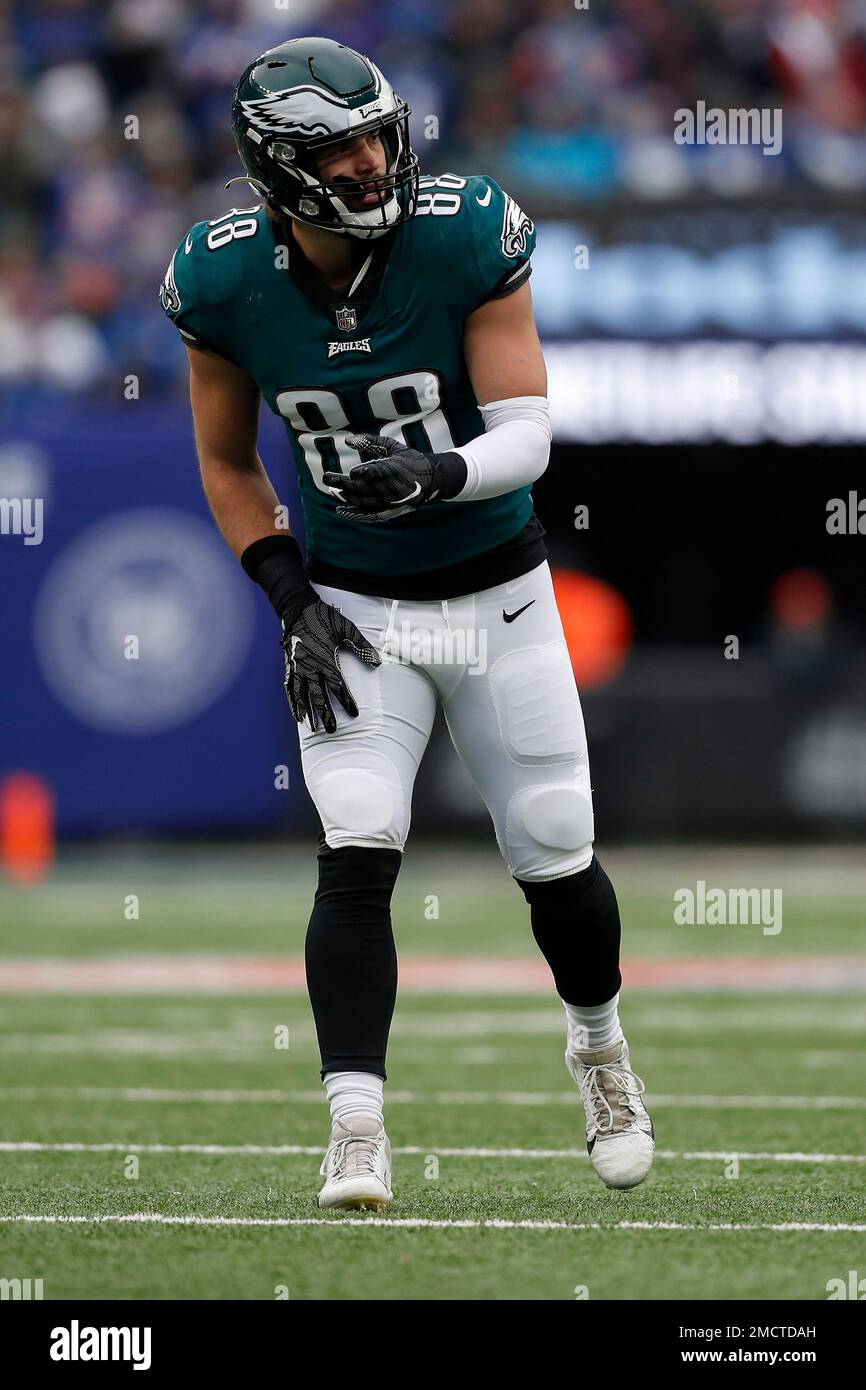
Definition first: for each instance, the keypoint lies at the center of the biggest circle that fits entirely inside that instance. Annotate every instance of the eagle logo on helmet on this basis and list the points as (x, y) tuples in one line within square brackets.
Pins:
[(289, 113), (516, 229)]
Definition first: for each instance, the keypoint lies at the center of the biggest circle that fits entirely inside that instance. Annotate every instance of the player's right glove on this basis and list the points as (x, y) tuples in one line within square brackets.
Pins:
[(311, 642), (313, 633), (392, 479)]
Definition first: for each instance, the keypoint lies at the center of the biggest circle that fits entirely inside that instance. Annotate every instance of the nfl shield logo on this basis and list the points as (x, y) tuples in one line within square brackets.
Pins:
[(347, 319)]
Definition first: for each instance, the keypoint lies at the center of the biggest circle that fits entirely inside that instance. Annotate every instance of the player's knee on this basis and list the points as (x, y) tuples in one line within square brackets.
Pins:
[(359, 876), (557, 817), (550, 829), (359, 806)]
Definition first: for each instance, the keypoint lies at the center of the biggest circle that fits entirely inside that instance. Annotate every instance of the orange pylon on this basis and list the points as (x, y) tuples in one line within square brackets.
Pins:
[(27, 838)]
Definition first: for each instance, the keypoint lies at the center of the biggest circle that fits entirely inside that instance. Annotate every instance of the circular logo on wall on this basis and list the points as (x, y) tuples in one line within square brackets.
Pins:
[(143, 621)]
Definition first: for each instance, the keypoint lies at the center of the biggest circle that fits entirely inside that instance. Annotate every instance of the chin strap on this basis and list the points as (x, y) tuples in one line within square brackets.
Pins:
[(364, 233), (253, 183)]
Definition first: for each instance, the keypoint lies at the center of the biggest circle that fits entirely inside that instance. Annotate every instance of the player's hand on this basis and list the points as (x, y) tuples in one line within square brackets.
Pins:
[(392, 479), (311, 641)]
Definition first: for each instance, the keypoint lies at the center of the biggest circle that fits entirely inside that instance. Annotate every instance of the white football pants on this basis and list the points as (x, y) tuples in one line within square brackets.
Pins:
[(498, 662)]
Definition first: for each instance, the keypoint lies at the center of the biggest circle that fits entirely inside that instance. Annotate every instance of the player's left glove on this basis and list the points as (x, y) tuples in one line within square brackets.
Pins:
[(392, 479), (311, 641)]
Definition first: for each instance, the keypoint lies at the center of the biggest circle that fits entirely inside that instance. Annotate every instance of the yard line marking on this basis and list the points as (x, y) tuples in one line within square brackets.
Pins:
[(486, 1019), (153, 1044), (425, 1223), (249, 1046), (409, 1150), (518, 1098), (218, 973), (251, 1049)]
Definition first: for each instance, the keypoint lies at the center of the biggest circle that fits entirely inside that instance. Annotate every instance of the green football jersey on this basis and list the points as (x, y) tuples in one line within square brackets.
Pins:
[(384, 358)]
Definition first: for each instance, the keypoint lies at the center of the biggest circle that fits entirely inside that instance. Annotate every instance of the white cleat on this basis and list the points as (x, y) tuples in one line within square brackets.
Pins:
[(356, 1168), (619, 1132)]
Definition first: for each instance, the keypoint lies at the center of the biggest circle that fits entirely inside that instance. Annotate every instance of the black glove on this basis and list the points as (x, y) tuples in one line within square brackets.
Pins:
[(393, 479), (311, 641), (313, 632)]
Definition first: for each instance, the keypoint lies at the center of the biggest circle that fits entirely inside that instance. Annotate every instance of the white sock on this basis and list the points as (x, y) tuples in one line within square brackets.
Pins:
[(591, 1029), (355, 1095)]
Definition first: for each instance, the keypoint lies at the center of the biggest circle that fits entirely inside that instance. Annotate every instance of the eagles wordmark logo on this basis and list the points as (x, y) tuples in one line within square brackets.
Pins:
[(355, 345), (516, 229)]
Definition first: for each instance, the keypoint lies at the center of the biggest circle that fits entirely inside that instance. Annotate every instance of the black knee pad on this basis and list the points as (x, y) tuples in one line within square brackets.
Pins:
[(356, 871), (561, 892), (575, 921)]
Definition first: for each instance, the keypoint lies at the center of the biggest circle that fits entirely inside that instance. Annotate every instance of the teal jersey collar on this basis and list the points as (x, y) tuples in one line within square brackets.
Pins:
[(347, 311)]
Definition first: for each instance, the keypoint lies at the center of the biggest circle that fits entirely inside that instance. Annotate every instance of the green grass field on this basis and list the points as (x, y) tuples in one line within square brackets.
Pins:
[(176, 1110)]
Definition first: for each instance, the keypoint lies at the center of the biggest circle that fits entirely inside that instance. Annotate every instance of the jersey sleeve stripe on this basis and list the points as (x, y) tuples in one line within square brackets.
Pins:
[(511, 282)]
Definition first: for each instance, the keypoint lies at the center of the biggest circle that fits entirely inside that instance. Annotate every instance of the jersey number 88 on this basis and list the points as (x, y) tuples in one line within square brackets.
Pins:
[(321, 422)]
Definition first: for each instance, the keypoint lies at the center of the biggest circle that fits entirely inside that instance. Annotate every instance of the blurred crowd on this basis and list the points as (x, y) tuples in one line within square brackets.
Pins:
[(114, 128)]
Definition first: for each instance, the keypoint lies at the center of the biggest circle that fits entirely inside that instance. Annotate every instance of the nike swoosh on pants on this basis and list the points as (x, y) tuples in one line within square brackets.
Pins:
[(509, 617)]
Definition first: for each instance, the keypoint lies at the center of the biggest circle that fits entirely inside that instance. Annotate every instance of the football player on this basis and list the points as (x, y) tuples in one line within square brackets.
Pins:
[(387, 318)]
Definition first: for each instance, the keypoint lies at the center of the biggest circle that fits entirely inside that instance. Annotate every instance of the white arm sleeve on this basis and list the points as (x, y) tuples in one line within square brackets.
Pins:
[(512, 452)]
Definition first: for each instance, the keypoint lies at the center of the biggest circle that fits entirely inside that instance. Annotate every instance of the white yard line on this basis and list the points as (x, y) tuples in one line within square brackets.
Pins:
[(518, 1098), (458, 1025), (422, 1223), (248, 1047), (440, 1151)]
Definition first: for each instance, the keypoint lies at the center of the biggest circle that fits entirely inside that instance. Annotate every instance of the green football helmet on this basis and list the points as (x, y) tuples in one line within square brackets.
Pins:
[(295, 100)]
